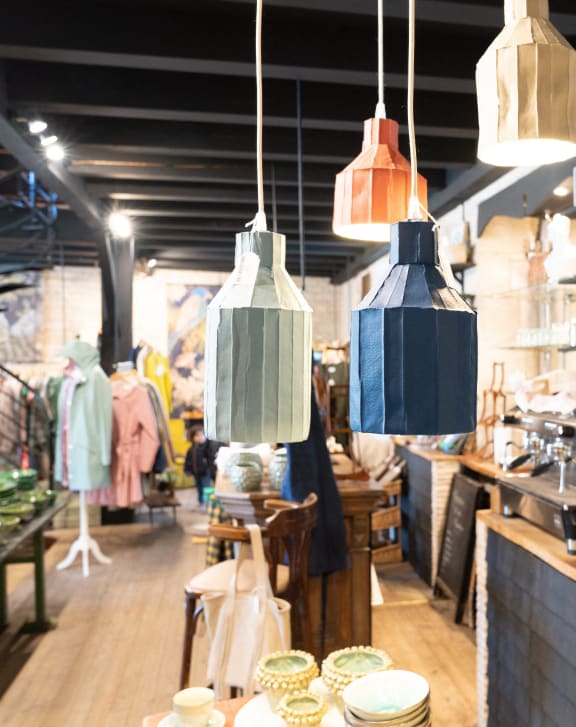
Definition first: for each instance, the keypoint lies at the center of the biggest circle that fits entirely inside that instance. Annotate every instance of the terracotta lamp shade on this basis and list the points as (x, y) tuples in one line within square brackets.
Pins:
[(258, 349), (373, 191), (526, 88), (413, 346)]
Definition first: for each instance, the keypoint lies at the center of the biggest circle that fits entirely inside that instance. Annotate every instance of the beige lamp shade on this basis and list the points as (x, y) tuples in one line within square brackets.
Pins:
[(526, 90), (373, 191), (258, 349)]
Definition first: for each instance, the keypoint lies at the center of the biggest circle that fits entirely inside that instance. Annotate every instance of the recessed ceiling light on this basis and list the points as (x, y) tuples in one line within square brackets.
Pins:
[(120, 225), (152, 263), (37, 126), (55, 152), (561, 191)]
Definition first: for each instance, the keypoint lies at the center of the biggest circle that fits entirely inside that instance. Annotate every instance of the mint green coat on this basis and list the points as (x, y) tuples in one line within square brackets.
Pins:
[(90, 425)]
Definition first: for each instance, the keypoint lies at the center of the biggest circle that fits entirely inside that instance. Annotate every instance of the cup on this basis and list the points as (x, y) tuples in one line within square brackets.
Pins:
[(193, 707)]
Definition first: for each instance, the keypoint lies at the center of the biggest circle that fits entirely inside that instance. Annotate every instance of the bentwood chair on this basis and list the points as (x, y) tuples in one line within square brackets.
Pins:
[(288, 536)]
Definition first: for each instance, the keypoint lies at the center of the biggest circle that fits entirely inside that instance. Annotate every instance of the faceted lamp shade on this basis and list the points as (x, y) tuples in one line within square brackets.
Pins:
[(373, 191), (258, 349), (413, 346), (526, 88)]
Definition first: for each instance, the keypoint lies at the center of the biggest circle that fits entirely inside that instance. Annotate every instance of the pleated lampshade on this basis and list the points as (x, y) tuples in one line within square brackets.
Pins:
[(373, 191), (258, 349), (526, 88), (413, 346)]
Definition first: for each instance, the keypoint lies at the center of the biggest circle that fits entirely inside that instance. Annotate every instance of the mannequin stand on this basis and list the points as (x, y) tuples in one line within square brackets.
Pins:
[(84, 544)]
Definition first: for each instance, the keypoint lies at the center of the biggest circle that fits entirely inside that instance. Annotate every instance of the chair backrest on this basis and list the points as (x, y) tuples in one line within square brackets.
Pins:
[(289, 531)]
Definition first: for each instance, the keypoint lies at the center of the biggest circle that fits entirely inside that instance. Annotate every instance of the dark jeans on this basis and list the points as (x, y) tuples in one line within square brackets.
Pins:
[(202, 481)]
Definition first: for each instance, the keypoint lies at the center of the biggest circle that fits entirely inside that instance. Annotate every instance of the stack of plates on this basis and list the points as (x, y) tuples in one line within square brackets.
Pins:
[(394, 698)]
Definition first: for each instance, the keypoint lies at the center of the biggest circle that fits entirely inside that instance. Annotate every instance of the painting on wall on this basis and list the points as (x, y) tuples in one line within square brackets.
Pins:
[(21, 318), (187, 306)]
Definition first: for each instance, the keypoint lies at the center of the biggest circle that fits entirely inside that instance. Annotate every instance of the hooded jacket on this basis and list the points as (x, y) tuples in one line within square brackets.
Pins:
[(90, 423)]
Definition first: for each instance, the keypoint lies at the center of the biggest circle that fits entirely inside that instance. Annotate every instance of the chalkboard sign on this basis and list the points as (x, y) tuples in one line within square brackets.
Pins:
[(456, 553)]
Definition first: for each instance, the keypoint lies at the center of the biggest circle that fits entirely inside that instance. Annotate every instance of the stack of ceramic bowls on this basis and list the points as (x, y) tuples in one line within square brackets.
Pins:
[(394, 698)]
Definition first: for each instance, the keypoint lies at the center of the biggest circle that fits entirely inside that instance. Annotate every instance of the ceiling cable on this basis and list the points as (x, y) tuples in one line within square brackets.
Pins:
[(414, 212), (258, 224), (380, 107)]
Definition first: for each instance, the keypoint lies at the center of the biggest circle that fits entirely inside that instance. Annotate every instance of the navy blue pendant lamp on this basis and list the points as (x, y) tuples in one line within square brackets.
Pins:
[(413, 343)]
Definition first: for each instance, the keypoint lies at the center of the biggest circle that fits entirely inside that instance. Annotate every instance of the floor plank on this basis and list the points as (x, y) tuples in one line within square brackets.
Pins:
[(115, 655)]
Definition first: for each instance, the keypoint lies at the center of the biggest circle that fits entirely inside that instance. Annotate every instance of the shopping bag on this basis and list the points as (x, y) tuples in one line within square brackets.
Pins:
[(243, 626)]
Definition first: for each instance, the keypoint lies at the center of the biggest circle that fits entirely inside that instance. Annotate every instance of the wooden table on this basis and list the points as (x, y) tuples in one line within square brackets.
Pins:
[(230, 708), (15, 550)]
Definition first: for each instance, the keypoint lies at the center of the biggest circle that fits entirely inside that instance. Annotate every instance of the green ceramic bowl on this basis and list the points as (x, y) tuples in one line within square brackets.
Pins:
[(38, 498), (7, 490), (25, 479), (51, 495), (24, 510), (7, 525)]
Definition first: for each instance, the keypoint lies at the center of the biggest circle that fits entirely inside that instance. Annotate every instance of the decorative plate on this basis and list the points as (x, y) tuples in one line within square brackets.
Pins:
[(216, 720)]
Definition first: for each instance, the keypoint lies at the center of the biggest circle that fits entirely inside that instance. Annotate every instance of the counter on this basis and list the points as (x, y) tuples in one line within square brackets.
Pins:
[(526, 625), (427, 481)]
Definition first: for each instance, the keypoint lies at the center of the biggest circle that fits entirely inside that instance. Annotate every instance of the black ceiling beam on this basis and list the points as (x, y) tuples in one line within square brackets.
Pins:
[(228, 119), (204, 213), (229, 68), (435, 11)]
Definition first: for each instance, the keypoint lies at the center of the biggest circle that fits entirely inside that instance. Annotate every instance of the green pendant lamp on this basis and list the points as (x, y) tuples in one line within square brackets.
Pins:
[(258, 334)]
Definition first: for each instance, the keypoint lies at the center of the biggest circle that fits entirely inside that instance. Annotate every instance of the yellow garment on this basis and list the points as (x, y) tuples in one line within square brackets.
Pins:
[(157, 369)]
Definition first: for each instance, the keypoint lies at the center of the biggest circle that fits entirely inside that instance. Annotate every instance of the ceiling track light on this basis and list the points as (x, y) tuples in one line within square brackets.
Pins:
[(48, 140), (258, 332), (413, 343), (526, 91), (55, 152), (373, 191), (120, 226), (37, 126)]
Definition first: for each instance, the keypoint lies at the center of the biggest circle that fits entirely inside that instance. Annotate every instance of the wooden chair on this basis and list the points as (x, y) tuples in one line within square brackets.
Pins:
[(287, 532)]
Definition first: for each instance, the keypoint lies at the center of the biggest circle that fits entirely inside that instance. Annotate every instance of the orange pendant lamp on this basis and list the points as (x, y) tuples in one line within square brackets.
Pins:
[(373, 191)]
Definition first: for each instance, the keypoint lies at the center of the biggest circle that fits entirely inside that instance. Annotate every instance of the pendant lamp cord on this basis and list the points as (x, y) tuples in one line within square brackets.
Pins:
[(258, 224), (414, 212), (380, 107)]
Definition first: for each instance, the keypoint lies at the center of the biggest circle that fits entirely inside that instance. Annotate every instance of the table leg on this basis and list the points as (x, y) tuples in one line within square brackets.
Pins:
[(3, 597), (41, 624)]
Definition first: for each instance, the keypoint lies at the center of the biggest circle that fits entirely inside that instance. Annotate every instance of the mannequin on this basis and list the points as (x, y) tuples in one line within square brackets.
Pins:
[(83, 440)]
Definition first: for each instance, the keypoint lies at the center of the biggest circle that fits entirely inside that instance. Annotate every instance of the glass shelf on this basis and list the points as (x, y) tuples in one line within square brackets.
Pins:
[(541, 291)]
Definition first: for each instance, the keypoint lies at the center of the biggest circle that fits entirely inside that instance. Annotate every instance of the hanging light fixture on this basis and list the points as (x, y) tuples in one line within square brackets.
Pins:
[(413, 343), (373, 191), (526, 88), (258, 333)]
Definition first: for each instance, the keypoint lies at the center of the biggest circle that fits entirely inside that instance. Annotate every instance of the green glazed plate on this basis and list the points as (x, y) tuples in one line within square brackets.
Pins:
[(23, 510), (7, 525)]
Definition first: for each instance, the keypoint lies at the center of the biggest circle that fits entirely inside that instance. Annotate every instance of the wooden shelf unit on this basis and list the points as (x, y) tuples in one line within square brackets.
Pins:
[(386, 526)]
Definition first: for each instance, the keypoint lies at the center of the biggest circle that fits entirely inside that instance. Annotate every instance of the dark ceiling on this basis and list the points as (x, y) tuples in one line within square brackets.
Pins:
[(155, 102)]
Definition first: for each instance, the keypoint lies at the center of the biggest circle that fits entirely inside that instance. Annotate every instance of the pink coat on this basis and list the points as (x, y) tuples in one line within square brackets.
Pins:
[(135, 444)]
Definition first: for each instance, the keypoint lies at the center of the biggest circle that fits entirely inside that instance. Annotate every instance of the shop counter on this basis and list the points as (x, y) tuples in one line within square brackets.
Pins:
[(427, 481), (526, 625)]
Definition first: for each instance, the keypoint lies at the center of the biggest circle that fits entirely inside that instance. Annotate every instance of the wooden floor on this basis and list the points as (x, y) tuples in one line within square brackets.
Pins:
[(115, 654)]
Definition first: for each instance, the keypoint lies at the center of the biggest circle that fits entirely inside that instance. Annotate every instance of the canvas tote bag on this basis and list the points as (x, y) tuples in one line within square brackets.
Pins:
[(243, 626)]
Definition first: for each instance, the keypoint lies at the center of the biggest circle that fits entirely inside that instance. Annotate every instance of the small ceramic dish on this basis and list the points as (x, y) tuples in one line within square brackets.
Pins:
[(422, 720), (23, 510), (342, 667), (285, 672), (218, 719), (25, 479), (386, 695), (7, 490), (302, 709), (38, 498), (8, 524)]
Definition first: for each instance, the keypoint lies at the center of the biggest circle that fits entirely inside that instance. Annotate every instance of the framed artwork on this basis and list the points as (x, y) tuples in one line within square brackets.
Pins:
[(187, 306)]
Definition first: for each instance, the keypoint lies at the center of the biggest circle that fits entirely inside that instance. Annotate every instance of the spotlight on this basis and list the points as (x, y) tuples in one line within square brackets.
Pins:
[(561, 191), (55, 153), (151, 264), (49, 140), (120, 225), (37, 126)]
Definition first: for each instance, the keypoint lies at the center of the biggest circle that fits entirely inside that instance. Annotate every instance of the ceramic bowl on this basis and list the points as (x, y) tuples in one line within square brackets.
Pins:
[(342, 667), (386, 695), (285, 672), (25, 479), (8, 524), (38, 498), (421, 720), (24, 510), (7, 490), (302, 709)]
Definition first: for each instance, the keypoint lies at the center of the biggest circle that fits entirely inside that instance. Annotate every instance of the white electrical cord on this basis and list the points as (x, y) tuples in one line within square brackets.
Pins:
[(414, 204), (380, 107), (258, 224)]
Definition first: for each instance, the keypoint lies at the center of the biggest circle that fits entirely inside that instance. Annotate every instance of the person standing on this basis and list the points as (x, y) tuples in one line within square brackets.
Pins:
[(199, 462)]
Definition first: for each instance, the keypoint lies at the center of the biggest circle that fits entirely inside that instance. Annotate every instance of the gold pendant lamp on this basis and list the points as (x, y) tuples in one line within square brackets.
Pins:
[(526, 89)]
